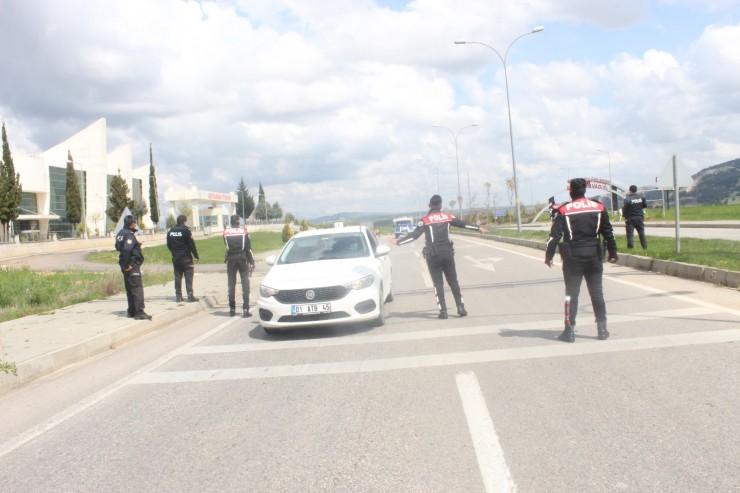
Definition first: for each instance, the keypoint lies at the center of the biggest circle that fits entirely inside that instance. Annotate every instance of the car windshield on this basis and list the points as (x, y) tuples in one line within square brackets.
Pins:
[(324, 247)]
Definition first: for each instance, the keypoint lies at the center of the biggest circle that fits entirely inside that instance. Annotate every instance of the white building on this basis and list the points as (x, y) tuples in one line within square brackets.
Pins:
[(43, 178)]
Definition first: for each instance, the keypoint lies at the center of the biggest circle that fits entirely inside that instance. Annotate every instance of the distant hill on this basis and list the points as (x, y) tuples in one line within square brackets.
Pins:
[(718, 184)]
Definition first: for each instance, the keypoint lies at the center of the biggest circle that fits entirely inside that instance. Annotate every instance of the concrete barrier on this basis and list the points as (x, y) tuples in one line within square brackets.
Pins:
[(714, 276)]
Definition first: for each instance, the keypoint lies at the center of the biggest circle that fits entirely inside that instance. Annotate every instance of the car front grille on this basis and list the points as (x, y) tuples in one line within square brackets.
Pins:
[(329, 293)]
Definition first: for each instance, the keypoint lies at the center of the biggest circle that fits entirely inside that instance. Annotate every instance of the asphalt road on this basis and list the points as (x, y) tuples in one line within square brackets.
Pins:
[(732, 234), (490, 402)]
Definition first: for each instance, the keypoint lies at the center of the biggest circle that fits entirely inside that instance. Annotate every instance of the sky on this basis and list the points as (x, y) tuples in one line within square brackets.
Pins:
[(332, 104)]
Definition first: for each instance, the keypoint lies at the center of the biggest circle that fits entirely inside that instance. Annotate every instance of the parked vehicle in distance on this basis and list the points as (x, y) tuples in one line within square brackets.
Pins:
[(326, 277), (402, 225)]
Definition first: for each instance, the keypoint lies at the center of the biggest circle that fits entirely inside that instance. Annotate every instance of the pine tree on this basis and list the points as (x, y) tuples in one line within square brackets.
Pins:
[(72, 195), (261, 213), (244, 201), (119, 198), (11, 191), (153, 192)]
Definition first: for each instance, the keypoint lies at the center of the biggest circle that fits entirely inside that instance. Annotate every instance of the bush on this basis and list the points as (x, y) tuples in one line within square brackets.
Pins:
[(287, 233)]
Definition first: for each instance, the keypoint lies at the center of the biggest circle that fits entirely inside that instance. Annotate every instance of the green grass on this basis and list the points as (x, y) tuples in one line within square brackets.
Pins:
[(211, 249), (721, 254), (24, 292), (697, 213)]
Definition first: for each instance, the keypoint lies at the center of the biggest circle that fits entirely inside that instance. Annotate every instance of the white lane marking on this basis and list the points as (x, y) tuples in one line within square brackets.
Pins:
[(70, 412), (484, 263), (434, 334), (445, 359), (667, 294), (491, 461)]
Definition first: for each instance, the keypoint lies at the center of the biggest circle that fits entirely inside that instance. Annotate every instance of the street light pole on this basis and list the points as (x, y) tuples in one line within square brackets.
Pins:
[(508, 105), (457, 160), (611, 191)]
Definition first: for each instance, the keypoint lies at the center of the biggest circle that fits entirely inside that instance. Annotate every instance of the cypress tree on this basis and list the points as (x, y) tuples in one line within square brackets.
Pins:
[(11, 191), (119, 198), (244, 201), (153, 192), (72, 195)]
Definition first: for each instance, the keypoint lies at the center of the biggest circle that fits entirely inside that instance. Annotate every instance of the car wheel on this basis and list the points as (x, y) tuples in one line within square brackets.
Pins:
[(380, 321), (389, 298)]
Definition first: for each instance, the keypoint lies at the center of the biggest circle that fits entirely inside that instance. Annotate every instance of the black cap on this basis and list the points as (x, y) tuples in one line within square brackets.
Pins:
[(435, 201), (181, 219), (633, 188), (235, 219)]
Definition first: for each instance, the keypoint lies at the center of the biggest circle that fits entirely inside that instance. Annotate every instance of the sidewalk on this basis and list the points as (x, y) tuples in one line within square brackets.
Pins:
[(41, 344)]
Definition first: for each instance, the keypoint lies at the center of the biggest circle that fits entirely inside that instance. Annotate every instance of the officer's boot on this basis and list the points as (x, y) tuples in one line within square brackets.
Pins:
[(247, 313), (568, 334), (232, 311), (461, 310), (601, 328), (178, 297), (443, 313)]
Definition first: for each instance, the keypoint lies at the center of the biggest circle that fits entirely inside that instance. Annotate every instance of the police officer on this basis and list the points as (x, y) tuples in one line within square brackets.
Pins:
[(130, 259), (580, 222), (632, 211), (439, 253), (239, 258), (181, 245)]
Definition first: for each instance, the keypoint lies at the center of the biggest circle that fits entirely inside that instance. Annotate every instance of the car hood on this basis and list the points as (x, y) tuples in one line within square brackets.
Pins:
[(318, 273)]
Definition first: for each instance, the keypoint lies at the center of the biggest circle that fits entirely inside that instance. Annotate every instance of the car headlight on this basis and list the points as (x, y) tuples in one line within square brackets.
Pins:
[(362, 283), (267, 291)]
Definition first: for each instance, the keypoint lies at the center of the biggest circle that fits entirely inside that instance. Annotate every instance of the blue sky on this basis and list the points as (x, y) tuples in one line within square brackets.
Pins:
[(330, 103)]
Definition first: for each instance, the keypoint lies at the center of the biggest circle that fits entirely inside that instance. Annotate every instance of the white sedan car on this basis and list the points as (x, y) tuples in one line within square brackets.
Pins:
[(324, 277)]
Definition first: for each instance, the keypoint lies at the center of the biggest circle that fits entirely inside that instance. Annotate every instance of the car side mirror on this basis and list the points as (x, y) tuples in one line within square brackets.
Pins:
[(270, 260), (381, 250)]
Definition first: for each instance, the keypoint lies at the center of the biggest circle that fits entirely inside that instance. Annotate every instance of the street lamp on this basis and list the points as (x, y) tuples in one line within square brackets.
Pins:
[(508, 105), (611, 191), (457, 160)]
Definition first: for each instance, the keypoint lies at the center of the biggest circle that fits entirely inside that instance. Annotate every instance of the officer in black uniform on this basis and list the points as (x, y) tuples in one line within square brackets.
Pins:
[(632, 211), (130, 259), (439, 252), (181, 245), (239, 258), (580, 222)]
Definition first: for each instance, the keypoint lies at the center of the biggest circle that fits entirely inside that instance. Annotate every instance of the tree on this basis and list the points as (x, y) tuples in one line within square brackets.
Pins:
[(138, 210), (287, 233), (305, 226), (11, 191), (72, 194), (290, 218), (244, 201), (274, 211), (510, 187), (153, 192), (119, 198), (261, 212)]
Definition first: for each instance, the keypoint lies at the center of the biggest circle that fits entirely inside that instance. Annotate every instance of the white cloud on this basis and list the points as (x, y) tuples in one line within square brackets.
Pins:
[(329, 104)]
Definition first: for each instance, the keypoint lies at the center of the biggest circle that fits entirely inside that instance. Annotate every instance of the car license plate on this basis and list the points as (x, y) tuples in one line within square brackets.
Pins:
[(310, 309)]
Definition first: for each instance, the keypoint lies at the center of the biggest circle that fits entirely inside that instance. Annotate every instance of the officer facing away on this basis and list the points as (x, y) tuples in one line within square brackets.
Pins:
[(632, 211), (439, 253), (181, 245), (238, 255), (130, 259), (580, 222)]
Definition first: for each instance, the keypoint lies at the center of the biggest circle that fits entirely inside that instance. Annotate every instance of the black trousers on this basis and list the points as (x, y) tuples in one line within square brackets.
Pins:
[(577, 268), (232, 267), (134, 290), (183, 268), (632, 224), (443, 264)]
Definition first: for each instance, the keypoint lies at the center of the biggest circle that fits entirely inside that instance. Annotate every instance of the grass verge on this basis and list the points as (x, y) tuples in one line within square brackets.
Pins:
[(211, 250), (720, 254)]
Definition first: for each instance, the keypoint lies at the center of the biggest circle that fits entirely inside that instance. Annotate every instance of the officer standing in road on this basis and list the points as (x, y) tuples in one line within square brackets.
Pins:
[(439, 252), (632, 211), (130, 259), (580, 222), (239, 258), (181, 245)]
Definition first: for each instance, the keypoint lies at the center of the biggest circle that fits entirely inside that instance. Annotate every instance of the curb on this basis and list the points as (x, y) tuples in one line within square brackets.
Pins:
[(32, 369)]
